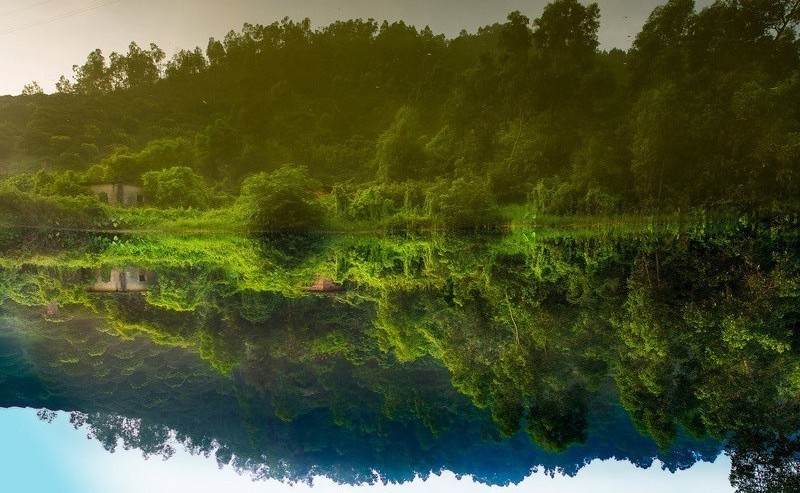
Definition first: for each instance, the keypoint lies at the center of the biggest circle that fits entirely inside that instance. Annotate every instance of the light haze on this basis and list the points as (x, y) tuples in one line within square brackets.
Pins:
[(42, 39)]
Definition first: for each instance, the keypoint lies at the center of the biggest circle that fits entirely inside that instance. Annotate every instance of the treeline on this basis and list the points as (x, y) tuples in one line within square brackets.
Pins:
[(310, 416), (703, 110)]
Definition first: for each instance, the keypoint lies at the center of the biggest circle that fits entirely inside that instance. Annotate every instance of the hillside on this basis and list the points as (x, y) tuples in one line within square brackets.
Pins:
[(702, 111)]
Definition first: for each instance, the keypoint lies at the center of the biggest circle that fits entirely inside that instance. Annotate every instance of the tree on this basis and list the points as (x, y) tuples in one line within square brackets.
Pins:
[(65, 86), (657, 50), (186, 63), (780, 17), (218, 147), (565, 42), (400, 153), (215, 51), (465, 203), (31, 89), (124, 164), (662, 154), (567, 26), (93, 77), (515, 37), (557, 421), (762, 462), (138, 68)]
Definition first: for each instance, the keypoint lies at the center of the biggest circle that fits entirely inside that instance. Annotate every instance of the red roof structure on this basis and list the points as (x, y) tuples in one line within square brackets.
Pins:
[(325, 286)]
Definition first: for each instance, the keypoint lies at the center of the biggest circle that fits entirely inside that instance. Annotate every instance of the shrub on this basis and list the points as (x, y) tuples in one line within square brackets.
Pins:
[(176, 187), (464, 203), (280, 201), (24, 209)]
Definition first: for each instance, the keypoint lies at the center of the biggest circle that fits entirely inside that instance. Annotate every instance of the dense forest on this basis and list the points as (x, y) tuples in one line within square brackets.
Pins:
[(282, 126)]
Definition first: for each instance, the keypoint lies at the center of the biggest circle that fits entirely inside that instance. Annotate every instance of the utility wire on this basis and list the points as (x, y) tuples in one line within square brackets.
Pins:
[(70, 13), (22, 9)]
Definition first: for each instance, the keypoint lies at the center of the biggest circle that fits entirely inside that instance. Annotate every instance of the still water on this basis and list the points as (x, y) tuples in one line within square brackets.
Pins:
[(365, 359)]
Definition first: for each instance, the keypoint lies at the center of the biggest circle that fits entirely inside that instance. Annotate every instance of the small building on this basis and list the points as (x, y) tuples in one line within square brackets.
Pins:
[(131, 280), (117, 193)]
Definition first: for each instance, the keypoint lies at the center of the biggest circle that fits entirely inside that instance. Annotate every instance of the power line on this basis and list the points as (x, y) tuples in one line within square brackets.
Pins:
[(70, 13), (22, 9)]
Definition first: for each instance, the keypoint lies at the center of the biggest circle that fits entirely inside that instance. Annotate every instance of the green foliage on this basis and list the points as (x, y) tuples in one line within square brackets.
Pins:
[(280, 201), (178, 186), (535, 330), (697, 332), (138, 68), (568, 26), (127, 165), (218, 147), (400, 153), (558, 421), (661, 149), (186, 63), (18, 208), (65, 184), (701, 112), (466, 203), (217, 352), (93, 77), (400, 324)]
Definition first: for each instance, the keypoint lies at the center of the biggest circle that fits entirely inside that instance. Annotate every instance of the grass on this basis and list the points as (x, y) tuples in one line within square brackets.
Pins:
[(231, 219), (224, 220)]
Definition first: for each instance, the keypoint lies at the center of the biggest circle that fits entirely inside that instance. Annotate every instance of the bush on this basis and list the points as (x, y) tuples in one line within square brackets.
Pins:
[(463, 204), (24, 209), (66, 183), (381, 201), (555, 196), (281, 201), (371, 203), (176, 187)]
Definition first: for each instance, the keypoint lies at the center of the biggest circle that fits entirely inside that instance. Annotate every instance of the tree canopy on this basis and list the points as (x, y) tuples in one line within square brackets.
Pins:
[(700, 112)]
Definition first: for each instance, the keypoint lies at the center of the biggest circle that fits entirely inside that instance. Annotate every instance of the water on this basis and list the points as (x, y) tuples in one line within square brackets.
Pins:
[(387, 358)]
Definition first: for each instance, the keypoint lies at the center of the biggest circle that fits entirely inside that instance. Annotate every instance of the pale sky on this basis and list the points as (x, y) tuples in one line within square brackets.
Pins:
[(41, 457), (42, 39)]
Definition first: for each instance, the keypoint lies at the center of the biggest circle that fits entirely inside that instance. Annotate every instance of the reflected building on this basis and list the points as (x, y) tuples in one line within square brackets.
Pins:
[(130, 280)]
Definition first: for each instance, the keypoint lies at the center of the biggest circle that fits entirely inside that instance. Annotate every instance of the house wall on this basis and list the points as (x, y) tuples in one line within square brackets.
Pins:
[(109, 189), (101, 285), (133, 281), (119, 193), (129, 195), (125, 281)]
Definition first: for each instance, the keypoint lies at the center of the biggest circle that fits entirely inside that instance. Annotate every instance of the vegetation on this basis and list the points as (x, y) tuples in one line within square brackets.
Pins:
[(398, 127), (676, 320), (548, 335)]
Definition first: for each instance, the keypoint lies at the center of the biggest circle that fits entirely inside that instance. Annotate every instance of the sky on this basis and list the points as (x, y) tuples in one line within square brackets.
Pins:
[(42, 39), (53, 457)]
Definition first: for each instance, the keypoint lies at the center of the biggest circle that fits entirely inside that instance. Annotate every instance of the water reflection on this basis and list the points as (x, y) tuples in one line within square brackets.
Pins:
[(483, 355), (128, 280)]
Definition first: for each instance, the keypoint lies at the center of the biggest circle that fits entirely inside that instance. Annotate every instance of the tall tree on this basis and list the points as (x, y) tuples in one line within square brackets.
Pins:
[(93, 77)]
